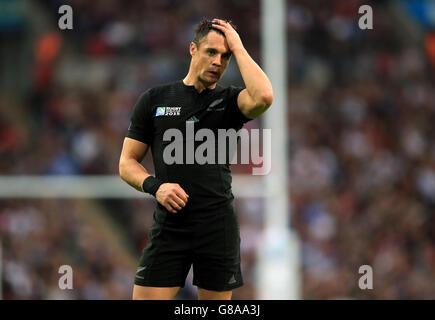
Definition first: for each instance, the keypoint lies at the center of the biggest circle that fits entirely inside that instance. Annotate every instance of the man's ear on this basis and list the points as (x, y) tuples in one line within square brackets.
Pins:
[(192, 48)]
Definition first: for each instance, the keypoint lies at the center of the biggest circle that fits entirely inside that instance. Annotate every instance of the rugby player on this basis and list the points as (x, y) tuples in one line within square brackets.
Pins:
[(195, 223)]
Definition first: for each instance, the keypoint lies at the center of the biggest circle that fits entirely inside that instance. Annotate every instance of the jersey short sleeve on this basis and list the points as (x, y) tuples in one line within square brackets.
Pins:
[(141, 125), (235, 116)]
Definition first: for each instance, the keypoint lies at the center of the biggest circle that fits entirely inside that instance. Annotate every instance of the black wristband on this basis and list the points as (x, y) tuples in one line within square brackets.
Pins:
[(151, 185)]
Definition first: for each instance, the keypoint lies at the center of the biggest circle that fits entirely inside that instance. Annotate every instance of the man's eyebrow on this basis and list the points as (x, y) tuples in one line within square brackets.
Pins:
[(225, 55), (214, 49)]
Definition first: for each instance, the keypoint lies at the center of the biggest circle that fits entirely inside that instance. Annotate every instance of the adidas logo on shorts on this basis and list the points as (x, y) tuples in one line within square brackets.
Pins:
[(139, 270), (232, 280)]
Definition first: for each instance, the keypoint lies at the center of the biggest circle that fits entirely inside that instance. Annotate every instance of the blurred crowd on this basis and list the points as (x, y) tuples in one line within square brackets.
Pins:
[(362, 160), (39, 236), (362, 153)]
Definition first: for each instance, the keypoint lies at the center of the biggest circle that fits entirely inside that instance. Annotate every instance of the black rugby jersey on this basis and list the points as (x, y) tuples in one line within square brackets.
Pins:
[(171, 106)]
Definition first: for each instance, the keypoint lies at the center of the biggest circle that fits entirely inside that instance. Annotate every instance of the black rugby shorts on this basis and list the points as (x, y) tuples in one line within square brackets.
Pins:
[(209, 240)]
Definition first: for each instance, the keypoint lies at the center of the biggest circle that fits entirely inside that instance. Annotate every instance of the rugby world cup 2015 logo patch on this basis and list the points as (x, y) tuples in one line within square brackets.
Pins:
[(160, 111), (168, 111)]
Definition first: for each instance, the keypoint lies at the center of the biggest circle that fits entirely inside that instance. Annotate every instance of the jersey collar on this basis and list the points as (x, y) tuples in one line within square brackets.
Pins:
[(192, 88)]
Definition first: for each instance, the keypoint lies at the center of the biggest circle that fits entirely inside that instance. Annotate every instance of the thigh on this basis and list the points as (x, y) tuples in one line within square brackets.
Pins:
[(154, 293), (204, 294), (166, 259), (216, 265)]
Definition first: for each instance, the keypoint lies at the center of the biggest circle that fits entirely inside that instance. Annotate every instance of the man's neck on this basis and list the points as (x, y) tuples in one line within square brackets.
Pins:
[(191, 80)]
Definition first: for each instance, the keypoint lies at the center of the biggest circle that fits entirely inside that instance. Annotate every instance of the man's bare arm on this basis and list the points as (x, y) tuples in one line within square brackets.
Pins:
[(258, 95), (170, 195), (130, 169)]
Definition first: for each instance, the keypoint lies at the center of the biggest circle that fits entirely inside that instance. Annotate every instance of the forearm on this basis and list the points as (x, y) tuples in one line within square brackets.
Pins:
[(133, 173), (257, 83)]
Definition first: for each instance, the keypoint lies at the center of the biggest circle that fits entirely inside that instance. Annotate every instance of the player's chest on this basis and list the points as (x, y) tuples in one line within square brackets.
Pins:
[(203, 113)]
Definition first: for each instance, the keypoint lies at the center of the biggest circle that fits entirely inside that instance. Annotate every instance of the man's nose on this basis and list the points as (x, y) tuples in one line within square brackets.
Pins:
[(217, 61)]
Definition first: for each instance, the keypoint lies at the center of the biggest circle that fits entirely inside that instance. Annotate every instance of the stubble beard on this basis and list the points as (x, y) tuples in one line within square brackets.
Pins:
[(206, 82)]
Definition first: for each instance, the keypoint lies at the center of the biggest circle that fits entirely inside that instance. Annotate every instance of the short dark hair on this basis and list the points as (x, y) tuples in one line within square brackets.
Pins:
[(204, 27)]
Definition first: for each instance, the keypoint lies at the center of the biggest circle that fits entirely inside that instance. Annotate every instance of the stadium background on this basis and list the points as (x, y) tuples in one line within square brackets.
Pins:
[(361, 109)]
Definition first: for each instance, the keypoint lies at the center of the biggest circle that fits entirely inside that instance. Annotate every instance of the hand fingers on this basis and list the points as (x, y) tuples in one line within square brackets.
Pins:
[(174, 204), (218, 26), (175, 198), (182, 194), (225, 27), (220, 23), (169, 208), (180, 202)]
